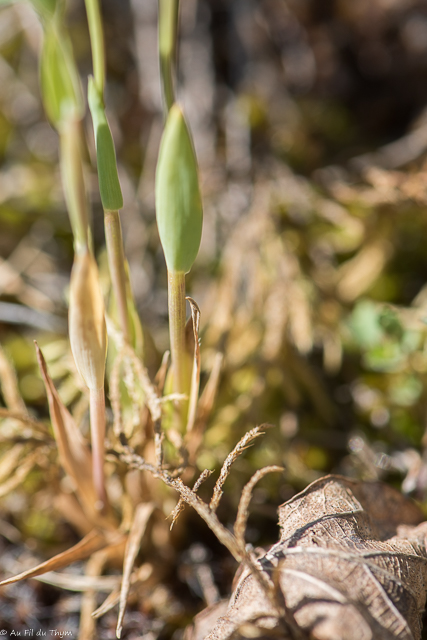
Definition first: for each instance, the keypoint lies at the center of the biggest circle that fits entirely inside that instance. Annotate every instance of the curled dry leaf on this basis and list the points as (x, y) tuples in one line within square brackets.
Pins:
[(350, 565)]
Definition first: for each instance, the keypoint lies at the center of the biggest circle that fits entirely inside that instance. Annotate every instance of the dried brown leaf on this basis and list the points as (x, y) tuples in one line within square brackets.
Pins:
[(73, 582), (90, 543), (73, 451), (350, 565)]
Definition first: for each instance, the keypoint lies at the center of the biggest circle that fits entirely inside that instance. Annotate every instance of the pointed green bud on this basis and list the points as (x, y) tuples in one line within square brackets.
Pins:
[(178, 200), (61, 89), (86, 322), (109, 185)]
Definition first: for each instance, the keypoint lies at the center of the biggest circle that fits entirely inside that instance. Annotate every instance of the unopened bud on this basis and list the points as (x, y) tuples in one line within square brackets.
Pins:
[(88, 335), (178, 200)]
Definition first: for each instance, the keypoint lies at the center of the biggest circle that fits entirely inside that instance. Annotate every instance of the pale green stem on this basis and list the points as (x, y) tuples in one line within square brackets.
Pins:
[(168, 26), (97, 430), (73, 184), (116, 262), (113, 230), (97, 43), (177, 309)]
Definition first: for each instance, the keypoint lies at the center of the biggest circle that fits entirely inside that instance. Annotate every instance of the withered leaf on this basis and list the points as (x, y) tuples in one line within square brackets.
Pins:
[(351, 564), (73, 451), (83, 549)]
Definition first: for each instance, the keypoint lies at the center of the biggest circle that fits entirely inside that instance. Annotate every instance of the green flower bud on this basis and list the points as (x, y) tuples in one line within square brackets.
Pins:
[(178, 200), (88, 335)]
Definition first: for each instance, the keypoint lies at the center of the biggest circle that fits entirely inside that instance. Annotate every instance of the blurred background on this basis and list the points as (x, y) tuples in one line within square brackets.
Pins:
[(310, 125)]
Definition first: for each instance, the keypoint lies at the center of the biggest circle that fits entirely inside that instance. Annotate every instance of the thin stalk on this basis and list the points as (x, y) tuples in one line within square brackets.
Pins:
[(97, 429), (176, 303), (113, 230), (97, 43), (168, 26), (116, 262), (73, 184)]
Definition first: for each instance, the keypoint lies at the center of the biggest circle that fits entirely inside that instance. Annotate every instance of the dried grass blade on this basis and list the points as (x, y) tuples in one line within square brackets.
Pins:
[(73, 452), (90, 543), (140, 575), (242, 511), (160, 378), (115, 395), (204, 408), (146, 384), (73, 582), (9, 385), (195, 376), (94, 567), (208, 395), (110, 601), (180, 506), (20, 474), (152, 399), (240, 447), (9, 461), (142, 516), (25, 419)]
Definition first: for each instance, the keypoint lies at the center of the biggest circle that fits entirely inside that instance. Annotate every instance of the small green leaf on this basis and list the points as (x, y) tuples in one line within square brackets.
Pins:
[(178, 200), (109, 185), (61, 90)]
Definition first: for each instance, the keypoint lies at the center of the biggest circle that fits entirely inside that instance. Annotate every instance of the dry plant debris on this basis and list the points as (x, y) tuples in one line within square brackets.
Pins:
[(351, 564)]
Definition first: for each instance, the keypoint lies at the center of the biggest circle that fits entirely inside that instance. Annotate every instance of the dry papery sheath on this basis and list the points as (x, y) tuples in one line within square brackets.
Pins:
[(88, 336)]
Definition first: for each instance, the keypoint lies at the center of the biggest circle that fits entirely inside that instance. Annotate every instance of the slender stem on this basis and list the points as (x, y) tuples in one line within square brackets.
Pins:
[(176, 300), (116, 262), (97, 43), (73, 184), (97, 430), (168, 26)]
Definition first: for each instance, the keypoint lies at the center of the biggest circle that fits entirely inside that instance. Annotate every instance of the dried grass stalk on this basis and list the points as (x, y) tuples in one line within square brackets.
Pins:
[(115, 395), (9, 385), (241, 446), (180, 506), (25, 419), (243, 509), (139, 576), (160, 378), (20, 474), (139, 525), (195, 376)]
